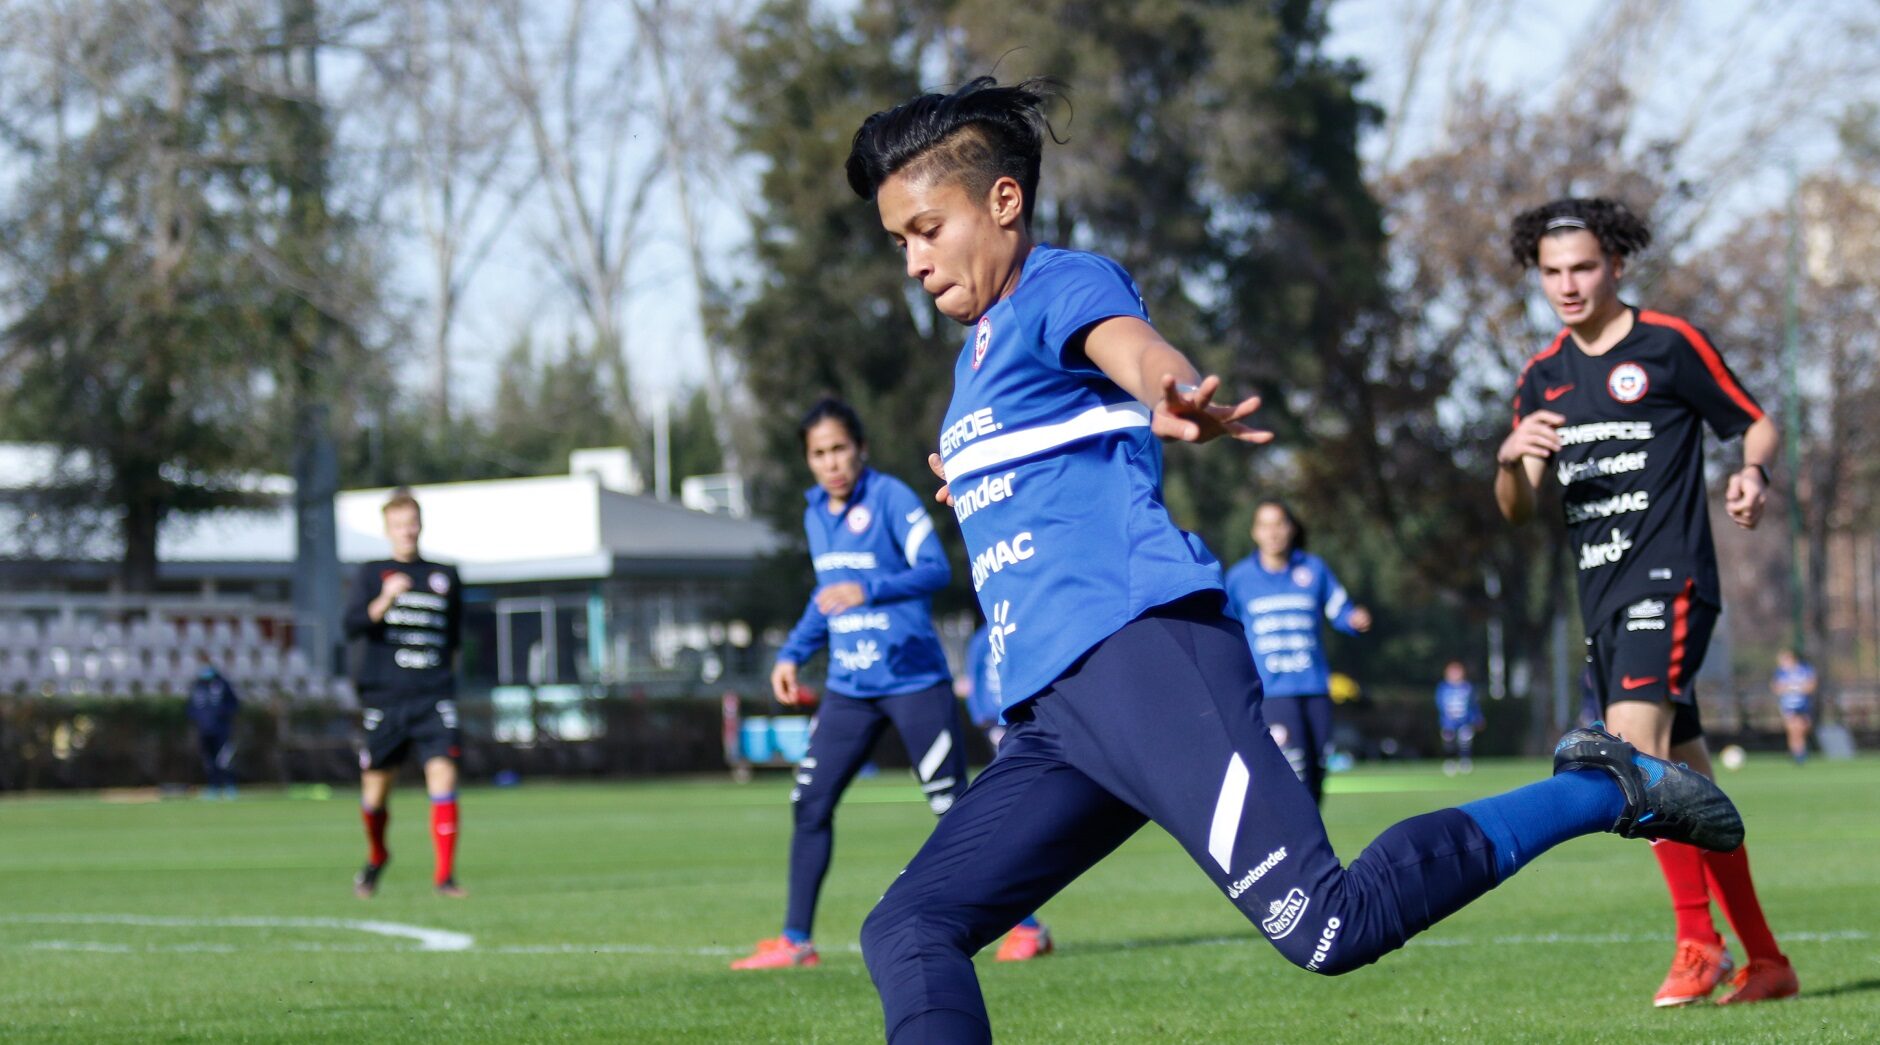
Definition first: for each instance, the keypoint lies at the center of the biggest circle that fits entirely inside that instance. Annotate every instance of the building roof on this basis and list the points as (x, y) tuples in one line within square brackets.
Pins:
[(544, 528), (552, 528)]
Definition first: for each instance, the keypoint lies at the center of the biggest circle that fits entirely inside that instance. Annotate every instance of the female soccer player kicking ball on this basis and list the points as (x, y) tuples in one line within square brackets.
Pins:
[(1131, 697)]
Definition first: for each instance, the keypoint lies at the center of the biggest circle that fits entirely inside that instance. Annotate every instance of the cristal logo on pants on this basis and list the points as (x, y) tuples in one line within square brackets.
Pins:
[(1283, 914)]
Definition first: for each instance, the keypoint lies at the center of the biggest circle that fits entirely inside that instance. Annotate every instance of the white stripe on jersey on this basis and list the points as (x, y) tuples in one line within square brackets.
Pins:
[(998, 449), (1336, 604), (918, 536), (1227, 809), (930, 762)]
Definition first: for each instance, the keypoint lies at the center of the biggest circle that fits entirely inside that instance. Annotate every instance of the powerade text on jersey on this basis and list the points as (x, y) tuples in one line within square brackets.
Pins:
[(883, 540), (1056, 479), (1631, 459), (411, 651), (1281, 614)]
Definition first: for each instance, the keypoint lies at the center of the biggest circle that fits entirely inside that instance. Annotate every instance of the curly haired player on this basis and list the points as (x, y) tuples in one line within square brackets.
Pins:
[(1615, 407)]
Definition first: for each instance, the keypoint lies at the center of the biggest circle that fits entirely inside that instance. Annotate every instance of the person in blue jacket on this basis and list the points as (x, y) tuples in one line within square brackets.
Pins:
[(212, 707), (1459, 714), (1128, 695), (878, 563), (1279, 594)]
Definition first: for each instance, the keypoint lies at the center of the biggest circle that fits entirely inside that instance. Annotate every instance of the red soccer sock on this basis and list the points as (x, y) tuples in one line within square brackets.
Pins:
[(1735, 890), (444, 835), (1683, 868), (375, 833)]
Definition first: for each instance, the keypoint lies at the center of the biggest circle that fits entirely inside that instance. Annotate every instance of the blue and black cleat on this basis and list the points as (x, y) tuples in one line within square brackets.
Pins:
[(1663, 800)]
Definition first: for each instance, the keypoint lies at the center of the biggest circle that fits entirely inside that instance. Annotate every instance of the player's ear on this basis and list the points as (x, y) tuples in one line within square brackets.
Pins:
[(1007, 200)]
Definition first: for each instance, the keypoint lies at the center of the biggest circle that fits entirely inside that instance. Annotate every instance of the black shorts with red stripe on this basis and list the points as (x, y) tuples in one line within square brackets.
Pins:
[(1651, 650)]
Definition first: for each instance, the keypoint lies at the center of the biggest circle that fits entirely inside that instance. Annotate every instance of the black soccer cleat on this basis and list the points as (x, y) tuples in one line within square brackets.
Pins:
[(1663, 800), (449, 889), (366, 882)]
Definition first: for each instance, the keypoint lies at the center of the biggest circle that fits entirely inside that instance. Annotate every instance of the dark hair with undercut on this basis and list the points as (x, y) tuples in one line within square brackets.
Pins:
[(829, 408), (1298, 543), (978, 134), (1620, 232)]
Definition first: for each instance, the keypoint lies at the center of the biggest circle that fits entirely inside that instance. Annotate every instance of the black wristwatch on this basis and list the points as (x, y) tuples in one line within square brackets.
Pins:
[(1759, 468)]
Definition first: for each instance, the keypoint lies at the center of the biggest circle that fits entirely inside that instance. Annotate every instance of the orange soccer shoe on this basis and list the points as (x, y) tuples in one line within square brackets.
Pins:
[(780, 952), (1763, 979), (1696, 970), (1024, 943)]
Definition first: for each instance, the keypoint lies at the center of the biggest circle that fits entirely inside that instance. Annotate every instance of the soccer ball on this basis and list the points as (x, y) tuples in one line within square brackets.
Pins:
[(1732, 757)]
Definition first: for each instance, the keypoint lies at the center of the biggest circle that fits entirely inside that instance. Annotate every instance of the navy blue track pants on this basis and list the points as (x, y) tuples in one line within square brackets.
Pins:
[(1302, 727), (844, 733), (1161, 721)]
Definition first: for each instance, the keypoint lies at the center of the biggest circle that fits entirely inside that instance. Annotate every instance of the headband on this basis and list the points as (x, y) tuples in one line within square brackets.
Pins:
[(1565, 221)]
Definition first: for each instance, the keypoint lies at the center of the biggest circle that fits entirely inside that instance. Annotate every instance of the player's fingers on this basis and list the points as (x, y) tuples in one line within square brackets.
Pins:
[(1548, 417), (939, 469), (1244, 408)]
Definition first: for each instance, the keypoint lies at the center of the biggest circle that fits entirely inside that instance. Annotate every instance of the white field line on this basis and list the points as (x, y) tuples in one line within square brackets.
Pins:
[(428, 939), (443, 940)]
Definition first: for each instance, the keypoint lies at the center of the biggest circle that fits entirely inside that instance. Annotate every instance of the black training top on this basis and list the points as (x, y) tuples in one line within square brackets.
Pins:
[(1631, 461), (408, 653)]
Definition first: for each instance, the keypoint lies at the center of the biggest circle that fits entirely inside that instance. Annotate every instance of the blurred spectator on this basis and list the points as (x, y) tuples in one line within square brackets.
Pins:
[(212, 707)]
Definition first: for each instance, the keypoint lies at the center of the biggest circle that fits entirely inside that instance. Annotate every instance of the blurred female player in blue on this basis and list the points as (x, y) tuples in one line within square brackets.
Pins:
[(1129, 695), (1279, 594), (1459, 715), (877, 565)]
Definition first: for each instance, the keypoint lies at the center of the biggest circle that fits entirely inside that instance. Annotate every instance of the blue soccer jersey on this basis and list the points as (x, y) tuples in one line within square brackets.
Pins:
[(883, 540), (1056, 478), (1280, 613), (1791, 685), (982, 704), (1455, 704)]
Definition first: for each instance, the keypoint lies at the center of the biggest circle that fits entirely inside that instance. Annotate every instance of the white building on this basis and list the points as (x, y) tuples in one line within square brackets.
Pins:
[(568, 579)]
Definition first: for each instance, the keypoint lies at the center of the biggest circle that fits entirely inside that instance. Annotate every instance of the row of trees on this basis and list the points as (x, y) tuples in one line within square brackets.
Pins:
[(243, 226)]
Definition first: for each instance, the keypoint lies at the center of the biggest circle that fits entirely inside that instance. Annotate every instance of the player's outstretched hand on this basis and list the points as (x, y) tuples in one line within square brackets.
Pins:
[(1360, 619), (1535, 436), (1190, 416), (945, 494), (1745, 497), (783, 683)]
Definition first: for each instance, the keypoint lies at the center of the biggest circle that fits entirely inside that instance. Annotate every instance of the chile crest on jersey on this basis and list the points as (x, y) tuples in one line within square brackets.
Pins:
[(1056, 478)]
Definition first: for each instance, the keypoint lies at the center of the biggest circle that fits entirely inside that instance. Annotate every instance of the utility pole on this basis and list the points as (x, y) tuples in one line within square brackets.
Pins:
[(316, 461), (1792, 409)]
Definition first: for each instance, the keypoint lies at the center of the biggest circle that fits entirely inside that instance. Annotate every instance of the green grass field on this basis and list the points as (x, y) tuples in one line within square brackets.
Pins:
[(608, 912)]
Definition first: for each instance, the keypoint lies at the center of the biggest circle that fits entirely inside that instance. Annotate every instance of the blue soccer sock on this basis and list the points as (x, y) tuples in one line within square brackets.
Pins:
[(797, 936), (1030, 922), (1528, 821)]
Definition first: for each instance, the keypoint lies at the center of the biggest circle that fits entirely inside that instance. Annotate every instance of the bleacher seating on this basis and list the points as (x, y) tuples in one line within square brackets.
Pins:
[(61, 656)]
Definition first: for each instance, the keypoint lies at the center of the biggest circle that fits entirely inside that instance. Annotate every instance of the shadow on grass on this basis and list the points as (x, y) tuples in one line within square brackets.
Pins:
[(1856, 987)]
